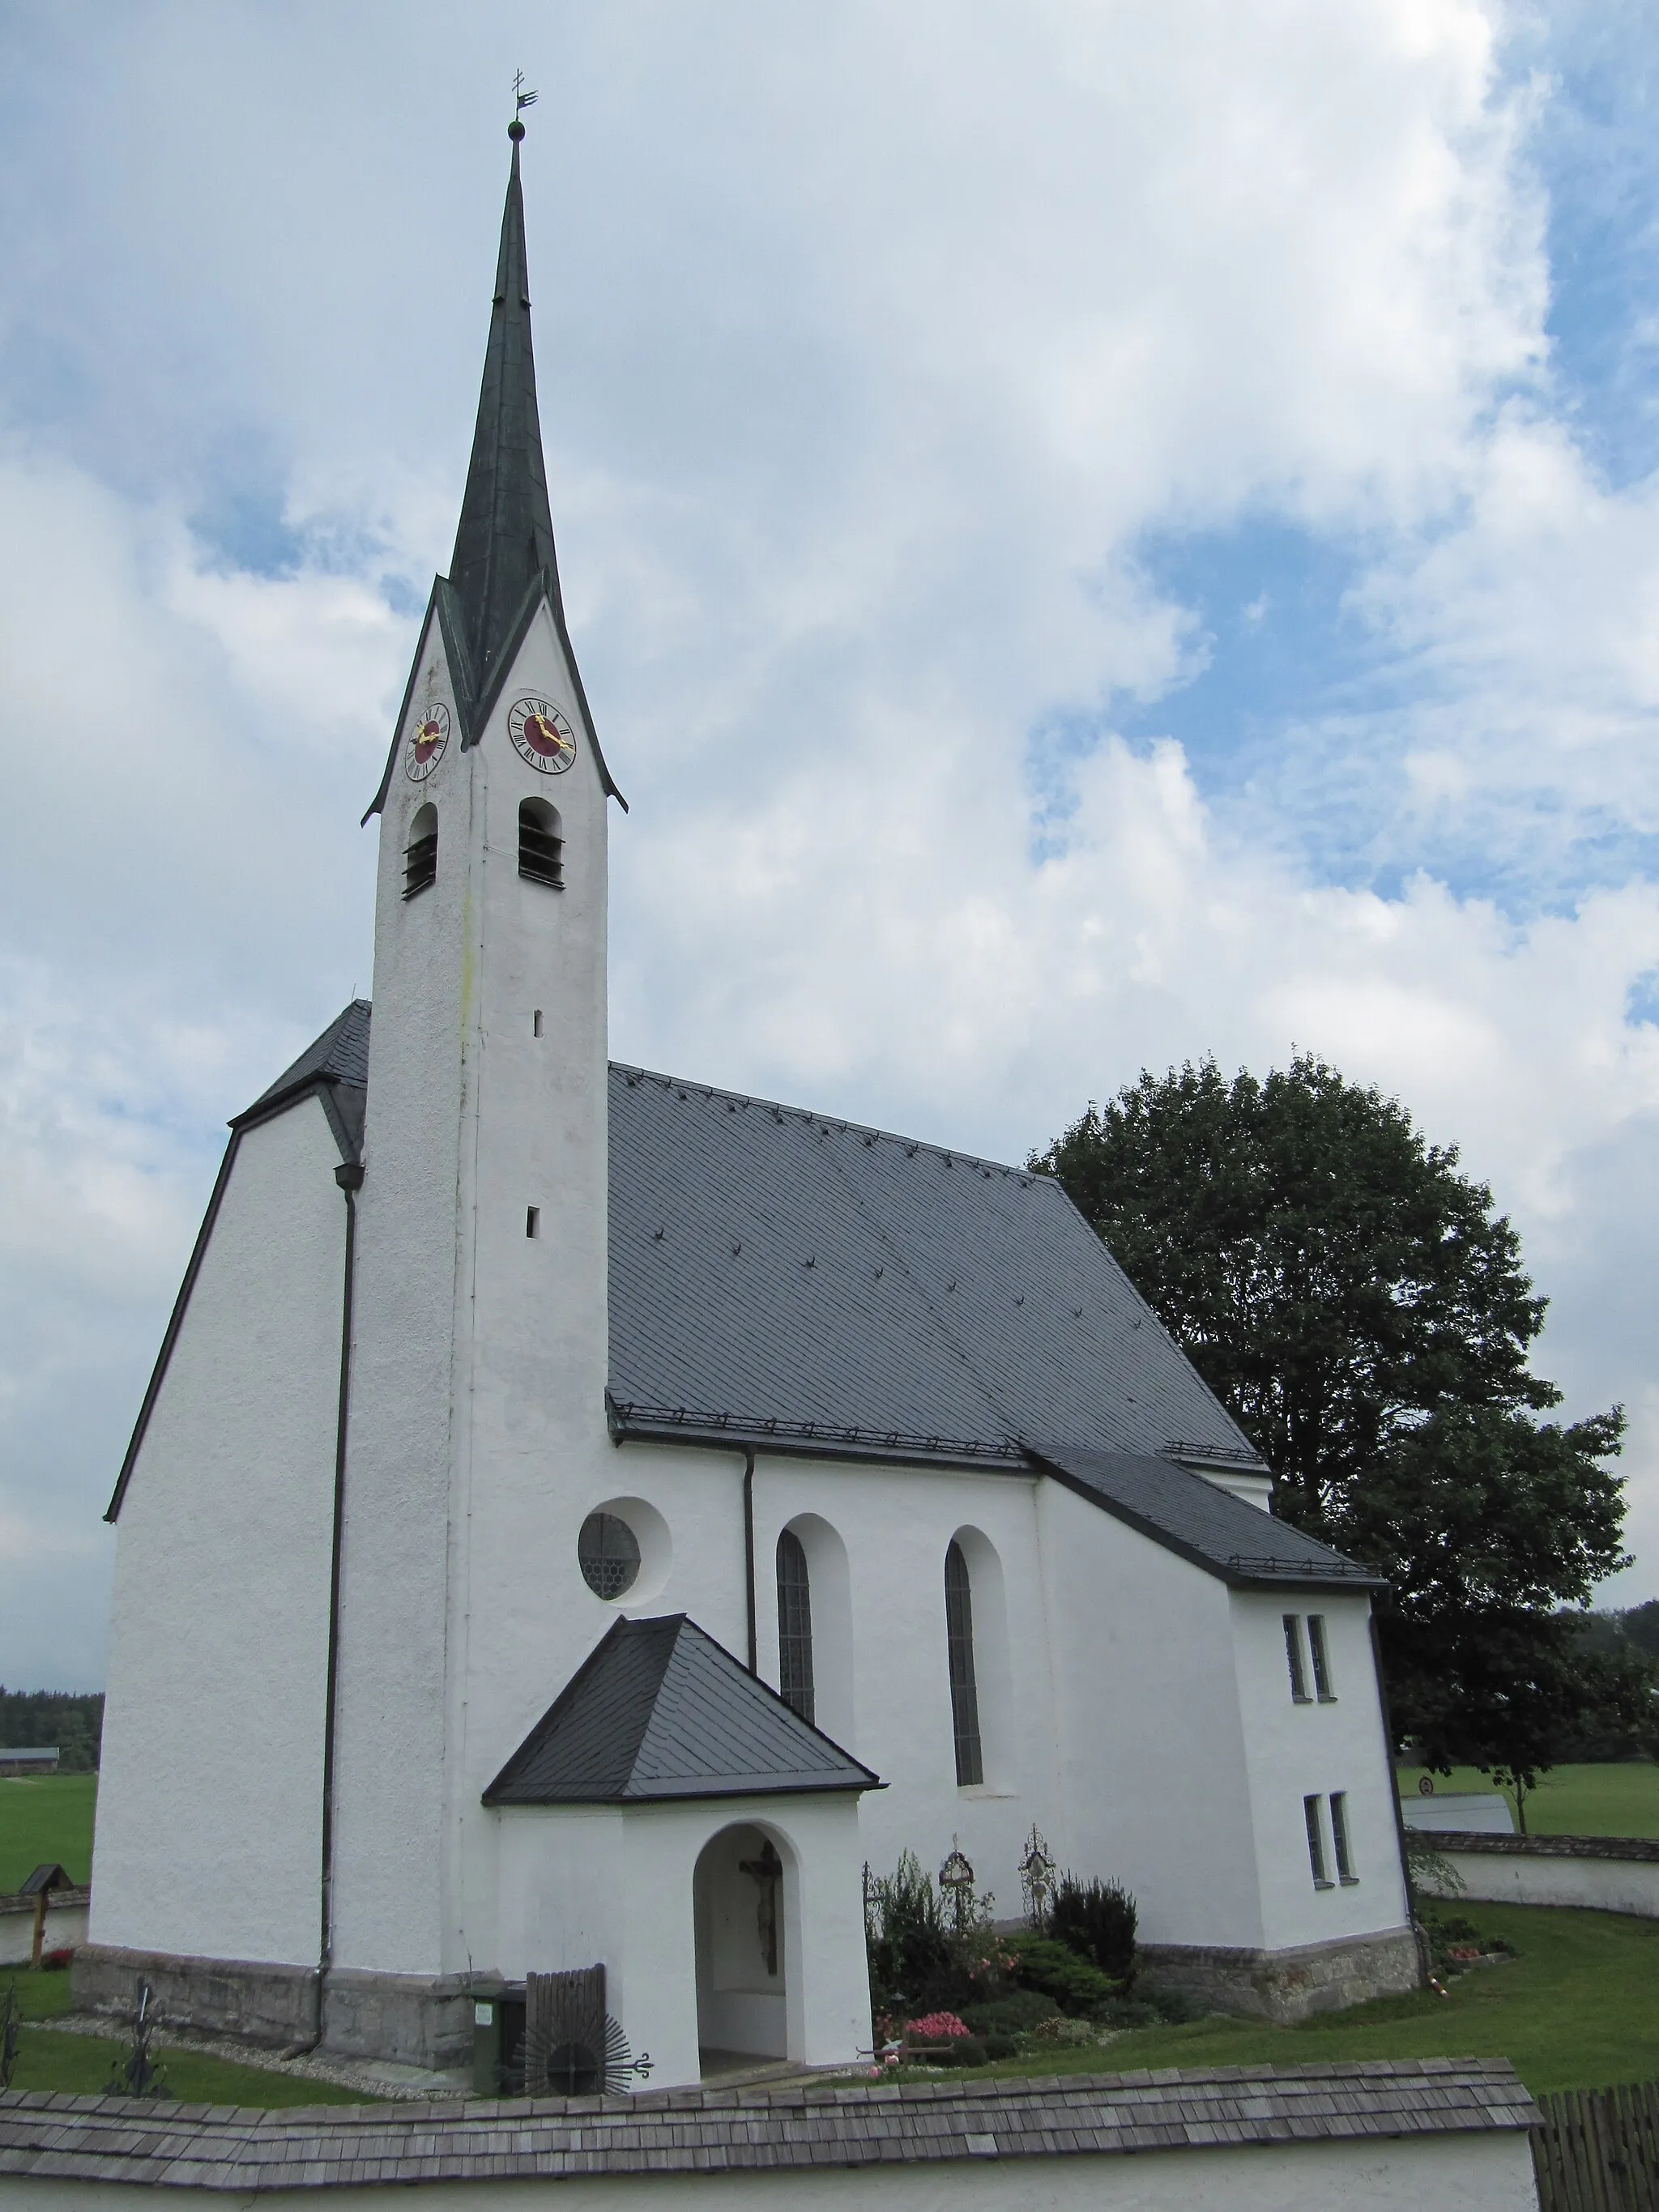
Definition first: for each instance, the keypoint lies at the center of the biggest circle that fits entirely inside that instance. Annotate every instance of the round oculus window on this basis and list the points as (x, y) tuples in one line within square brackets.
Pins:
[(610, 1554)]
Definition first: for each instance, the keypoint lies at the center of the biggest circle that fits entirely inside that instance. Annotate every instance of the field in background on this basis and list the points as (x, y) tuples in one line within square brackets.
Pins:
[(1620, 1800), (50, 1818)]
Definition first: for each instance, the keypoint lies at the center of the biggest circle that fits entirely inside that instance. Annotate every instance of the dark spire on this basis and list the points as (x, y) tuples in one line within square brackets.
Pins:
[(505, 538)]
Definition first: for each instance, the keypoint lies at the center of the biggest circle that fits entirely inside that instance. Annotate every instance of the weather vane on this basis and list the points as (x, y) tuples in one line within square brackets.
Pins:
[(521, 97)]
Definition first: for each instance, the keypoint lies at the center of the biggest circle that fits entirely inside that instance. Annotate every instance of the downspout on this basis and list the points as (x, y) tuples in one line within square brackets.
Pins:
[(749, 1555), (350, 1176), (1418, 1934)]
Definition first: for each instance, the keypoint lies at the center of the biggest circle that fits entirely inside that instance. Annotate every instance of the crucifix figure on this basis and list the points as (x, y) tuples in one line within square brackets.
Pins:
[(767, 1872)]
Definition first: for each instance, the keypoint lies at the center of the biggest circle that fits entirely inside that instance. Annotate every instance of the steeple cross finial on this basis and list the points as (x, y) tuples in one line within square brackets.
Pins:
[(521, 99)]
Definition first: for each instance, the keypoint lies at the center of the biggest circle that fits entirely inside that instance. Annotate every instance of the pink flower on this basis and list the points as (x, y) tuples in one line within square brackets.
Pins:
[(935, 2027)]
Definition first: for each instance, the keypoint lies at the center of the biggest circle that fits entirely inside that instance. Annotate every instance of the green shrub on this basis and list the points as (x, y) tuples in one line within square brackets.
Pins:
[(1058, 1972), (1014, 2015), (961, 2050), (1096, 1919), (909, 1949), (1000, 2045)]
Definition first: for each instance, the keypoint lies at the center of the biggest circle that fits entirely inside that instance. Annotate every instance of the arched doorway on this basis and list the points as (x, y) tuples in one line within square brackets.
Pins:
[(741, 1891)]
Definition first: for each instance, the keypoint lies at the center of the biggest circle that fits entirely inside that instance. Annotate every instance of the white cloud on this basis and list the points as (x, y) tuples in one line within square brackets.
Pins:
[(873, 345)]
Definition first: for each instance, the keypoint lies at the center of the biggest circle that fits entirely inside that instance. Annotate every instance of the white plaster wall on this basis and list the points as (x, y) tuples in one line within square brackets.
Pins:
[(579, 1885), (1488, 2172), (532, 1446), (413, 1245), (895, 1523), (1602, 1885), (209, 1803), (1294, 1751), (1153, 1770)]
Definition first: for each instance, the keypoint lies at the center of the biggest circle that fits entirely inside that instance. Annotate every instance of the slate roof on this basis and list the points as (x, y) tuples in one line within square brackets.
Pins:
[(793, 1282), (660, 1710), (798, 2126), (336, 1067), (1227, 1536), (777, 1273)]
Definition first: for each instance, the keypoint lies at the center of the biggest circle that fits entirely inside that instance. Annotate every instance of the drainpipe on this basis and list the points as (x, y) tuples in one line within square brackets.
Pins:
[(749, 1554), (1419, 1936), (350, 1176)]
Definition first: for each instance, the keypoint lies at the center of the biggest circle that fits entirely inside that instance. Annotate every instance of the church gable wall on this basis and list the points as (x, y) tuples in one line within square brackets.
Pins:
[(210, 1804), (1326, 1744)]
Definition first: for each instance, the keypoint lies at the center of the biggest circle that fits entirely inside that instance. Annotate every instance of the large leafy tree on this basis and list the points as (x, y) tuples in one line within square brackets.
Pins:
[(1357, 1305)]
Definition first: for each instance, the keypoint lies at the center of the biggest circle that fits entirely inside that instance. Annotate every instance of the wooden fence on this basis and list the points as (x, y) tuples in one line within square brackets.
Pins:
[(1598, 2150)]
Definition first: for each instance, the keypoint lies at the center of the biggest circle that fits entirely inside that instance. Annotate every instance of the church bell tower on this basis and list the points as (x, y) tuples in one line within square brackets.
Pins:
[(479, 1353)]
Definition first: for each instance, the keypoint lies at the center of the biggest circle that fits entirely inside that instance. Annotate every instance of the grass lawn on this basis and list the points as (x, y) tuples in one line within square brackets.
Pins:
[(1576, 2010), (81, 2064), (46, 1818), (1621, 1800)]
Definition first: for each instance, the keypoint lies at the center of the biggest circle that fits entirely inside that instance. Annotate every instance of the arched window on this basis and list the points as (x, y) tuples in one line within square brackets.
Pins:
[(795, 1627), (959, 1646), (421, 853), (541, 848)]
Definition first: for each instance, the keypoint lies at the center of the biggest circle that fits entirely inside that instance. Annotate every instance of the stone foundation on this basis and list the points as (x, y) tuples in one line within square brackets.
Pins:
[(273, 2006), (413, 2020), (410, 2020), (1288, 1985)]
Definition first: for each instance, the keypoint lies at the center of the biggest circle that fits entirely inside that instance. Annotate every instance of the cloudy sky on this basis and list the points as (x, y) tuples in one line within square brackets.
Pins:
[(1097, 532)]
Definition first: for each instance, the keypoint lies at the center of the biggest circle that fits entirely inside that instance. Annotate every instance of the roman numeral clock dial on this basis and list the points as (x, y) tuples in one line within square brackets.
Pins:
[(542, 736), (426, 741)]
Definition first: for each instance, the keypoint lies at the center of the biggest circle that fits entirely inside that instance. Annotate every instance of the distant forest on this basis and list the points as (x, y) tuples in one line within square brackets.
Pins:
[(74, 1723)]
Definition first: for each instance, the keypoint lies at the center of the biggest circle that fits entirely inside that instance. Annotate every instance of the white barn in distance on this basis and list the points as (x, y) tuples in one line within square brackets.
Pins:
[(580, 1517)]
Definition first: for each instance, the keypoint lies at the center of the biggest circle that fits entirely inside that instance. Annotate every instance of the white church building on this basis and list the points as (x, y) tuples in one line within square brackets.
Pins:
[(580, 1518)]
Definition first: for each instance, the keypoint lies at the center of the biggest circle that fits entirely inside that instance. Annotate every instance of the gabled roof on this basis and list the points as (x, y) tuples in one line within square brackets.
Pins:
[(659, 1711), (1225, 1536), (786, 1281), (778, 1274), (336, 1067)]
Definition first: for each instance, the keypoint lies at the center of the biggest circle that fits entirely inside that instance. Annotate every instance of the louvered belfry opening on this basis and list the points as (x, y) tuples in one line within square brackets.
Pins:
[(541, 849), (964, 1691), (421, 853), (795, 1627)]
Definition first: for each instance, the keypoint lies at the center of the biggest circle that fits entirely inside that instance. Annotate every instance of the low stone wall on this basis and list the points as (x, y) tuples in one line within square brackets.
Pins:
[(1383, 2136), (1607, 1874), (1288, 1985), (65, 1929)]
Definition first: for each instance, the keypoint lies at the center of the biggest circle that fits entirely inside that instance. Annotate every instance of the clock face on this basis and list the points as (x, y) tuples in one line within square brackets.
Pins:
[(426, 741), (540, 733)]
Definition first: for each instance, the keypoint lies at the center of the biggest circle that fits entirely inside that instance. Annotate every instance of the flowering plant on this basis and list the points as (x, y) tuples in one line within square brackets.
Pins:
[(935, 2027)]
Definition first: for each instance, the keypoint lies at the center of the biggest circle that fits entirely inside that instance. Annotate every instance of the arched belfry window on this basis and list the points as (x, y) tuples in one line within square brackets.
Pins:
[(959, 1645), (541, 847), (795, 1627), (421, 853)]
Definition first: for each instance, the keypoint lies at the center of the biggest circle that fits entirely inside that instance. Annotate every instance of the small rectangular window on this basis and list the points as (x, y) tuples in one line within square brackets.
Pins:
[(1340, 1835), (536, 1022), (533, 1221), (1310, 1813), (1293, 1654), (1322, 1659)]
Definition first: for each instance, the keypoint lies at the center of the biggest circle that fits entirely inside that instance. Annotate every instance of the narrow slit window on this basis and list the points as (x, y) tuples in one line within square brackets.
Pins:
[(533, 1221), (536, 1022), (1310, 1813), (795, 1627), (541, 846), (421, 853), (1293, 1655), (959, 1644), (1322, 1659), (1340, 1835)]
